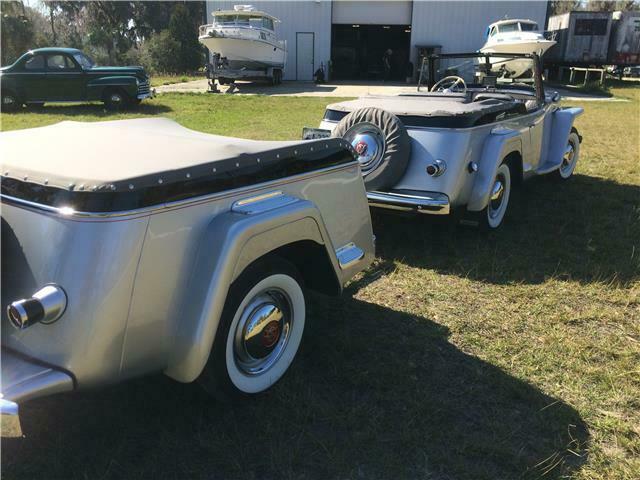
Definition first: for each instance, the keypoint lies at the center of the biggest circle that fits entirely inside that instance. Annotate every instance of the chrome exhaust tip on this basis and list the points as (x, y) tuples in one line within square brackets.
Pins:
[(45, 306)]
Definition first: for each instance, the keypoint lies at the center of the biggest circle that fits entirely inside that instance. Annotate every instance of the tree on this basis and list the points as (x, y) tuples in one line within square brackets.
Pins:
[(16, 31), (183, 31)]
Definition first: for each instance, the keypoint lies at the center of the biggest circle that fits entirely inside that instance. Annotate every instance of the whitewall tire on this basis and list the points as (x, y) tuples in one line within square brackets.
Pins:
[(493, 215), (570, 156), (259, 333)]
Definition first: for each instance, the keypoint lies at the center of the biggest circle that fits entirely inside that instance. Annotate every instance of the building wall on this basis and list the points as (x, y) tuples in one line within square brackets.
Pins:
[(460, 27), (372, 13), (456, 26), (296, 16)]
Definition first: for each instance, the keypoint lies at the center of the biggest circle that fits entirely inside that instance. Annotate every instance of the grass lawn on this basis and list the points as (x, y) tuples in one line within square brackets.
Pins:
[(158, 80), (458, 355)]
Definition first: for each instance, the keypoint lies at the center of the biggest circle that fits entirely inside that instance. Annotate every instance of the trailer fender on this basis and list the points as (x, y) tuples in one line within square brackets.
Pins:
[(231, 242), (500, 143)]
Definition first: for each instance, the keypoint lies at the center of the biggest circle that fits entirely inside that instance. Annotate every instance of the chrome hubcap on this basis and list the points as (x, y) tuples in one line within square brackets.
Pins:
[(8, 100), (263, 332), (369, 144), (115, 98), (497, 194)]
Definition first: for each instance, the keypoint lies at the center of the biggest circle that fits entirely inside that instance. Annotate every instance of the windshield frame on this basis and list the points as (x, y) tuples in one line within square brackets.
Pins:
[(537, 71), (81, 57)]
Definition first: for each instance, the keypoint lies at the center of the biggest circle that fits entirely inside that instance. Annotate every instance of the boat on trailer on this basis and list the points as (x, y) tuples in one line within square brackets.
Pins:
[(244, 38), (515, 36)]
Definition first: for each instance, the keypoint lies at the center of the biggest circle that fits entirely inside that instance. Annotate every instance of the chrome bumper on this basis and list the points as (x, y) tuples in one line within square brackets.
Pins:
[(432, 203), (23, 379)]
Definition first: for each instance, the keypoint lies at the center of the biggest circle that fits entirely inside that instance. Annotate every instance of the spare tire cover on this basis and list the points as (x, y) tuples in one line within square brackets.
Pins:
[(381, 143)]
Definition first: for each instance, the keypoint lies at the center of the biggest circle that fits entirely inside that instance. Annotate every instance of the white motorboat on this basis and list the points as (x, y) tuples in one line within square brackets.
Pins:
[(515, 36), (245, 37)]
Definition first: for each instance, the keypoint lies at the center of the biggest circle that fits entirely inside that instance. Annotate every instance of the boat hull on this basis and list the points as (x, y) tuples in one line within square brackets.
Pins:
[(517, 67), (252, 54)]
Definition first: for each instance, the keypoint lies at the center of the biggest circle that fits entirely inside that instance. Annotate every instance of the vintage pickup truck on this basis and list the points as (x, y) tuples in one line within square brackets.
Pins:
[(139, 246), (462, 145)]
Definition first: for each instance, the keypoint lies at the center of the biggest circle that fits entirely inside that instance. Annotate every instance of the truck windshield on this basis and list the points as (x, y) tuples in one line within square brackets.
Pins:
[(83, 60)]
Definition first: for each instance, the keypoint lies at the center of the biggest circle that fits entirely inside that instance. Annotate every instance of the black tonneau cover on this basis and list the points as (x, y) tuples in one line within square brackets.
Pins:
[(437, 110), (130, 164)]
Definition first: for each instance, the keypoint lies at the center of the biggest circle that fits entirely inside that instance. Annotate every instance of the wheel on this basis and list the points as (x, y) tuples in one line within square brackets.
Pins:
[(493, 214), (381, 143), (115, 99), (224, 81), (570, 157), (259, 332), (10, 102)]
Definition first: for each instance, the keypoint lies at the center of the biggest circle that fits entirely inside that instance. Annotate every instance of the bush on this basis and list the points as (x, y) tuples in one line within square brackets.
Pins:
[(164, 53)]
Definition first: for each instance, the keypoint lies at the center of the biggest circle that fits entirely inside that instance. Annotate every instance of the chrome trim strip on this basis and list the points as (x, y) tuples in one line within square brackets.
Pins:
[(431, 203), (263, 203), (349, 255), (163, 207)]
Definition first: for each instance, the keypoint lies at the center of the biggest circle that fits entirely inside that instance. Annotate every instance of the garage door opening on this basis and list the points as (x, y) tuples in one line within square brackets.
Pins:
[(357, 51)]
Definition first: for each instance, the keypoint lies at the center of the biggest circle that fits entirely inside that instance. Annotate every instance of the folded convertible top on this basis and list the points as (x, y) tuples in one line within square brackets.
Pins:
[(146, 161)]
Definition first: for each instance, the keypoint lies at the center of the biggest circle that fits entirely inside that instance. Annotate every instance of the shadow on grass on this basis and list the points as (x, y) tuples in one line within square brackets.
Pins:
[(586, 229), (93, 109), (374, 393)]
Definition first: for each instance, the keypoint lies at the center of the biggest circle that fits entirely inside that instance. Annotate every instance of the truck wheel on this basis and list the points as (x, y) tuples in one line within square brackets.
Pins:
[(570, 157), (381, 143), (115, 99), (493, 214), (259, 332), (10, 102)]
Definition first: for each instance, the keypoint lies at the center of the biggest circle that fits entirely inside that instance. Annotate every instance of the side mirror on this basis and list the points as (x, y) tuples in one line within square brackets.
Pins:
[(555, 97)]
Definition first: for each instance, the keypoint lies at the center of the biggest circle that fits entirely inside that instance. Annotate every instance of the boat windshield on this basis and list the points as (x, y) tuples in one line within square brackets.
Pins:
[(488, 71), (528, 27), (253, 21), (508, 27)]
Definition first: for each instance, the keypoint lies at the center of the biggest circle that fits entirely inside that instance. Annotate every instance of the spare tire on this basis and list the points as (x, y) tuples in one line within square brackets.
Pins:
[(381, 143)]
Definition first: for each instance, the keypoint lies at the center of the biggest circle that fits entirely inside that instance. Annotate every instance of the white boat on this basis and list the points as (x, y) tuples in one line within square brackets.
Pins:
[(245, 37), (515, 36)]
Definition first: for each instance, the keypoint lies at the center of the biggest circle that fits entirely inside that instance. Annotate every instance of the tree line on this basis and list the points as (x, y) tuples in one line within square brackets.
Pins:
[(162, 36)]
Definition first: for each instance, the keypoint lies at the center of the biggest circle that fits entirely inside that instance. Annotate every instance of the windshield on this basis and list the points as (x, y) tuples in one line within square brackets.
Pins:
[(508, 27), (485, 71), (528, 27), (83, 60)]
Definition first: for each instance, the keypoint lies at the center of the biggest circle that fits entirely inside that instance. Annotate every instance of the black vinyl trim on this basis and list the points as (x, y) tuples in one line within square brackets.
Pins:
[(177, 185)]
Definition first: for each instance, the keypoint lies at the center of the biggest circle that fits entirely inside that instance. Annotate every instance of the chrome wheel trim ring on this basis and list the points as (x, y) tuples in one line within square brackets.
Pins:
[(369, 144), (8, 100), (268, 314)]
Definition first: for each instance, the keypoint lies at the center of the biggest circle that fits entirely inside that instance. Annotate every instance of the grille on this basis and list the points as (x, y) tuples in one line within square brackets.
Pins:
[(143, 87)]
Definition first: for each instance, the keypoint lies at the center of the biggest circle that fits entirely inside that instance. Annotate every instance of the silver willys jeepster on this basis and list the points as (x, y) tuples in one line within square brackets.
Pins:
[(139, 246), (477, 131)]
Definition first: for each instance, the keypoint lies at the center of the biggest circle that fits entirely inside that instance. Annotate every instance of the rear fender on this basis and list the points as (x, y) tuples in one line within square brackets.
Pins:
[(96, 88), (230, 243), (500, 143)]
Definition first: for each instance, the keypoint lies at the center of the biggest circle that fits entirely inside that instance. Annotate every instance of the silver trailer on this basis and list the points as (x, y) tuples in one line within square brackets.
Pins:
[(139, 246), (220, 70)]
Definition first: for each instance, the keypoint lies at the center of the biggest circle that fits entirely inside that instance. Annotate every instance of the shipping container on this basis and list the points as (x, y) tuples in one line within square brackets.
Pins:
[(582, 38)]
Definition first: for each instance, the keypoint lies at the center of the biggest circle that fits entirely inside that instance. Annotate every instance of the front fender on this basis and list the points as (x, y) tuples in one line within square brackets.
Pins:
[(96, 87), (230, 243), (500, 143), (562, 122)]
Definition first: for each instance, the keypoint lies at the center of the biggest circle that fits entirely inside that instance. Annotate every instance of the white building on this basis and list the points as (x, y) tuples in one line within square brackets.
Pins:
[(352, 36)]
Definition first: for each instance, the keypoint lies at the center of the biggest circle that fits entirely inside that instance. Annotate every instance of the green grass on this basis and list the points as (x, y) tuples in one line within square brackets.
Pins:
[(457, 355), (158, 80)]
